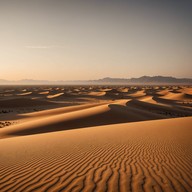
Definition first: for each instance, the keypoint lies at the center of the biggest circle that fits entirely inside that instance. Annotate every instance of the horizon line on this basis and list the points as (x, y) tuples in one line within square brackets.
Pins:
[(28, 79)]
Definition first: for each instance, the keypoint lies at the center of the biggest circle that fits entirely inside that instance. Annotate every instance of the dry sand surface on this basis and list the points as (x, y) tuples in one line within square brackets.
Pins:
[(96, 138)]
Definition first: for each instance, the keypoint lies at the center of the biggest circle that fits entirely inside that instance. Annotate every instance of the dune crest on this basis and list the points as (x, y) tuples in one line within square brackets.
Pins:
[(23, 94), (54, 96)]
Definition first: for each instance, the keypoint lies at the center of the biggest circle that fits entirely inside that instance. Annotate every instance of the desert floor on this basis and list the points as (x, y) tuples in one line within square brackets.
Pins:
[(95, 138)]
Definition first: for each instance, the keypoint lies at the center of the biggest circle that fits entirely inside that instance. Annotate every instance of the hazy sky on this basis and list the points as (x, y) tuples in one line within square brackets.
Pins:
[(91, 39)]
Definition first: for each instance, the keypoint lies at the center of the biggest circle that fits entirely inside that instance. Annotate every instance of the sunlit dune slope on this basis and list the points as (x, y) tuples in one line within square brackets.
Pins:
[(54, 96), (143, 156), (25, 93), (177, 96)]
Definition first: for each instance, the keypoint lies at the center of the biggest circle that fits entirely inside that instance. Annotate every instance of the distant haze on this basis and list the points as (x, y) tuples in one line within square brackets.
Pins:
[(144, 80), (91, 39)]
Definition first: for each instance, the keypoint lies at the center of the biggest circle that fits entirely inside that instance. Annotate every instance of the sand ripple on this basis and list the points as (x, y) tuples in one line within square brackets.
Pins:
[(152, 156)]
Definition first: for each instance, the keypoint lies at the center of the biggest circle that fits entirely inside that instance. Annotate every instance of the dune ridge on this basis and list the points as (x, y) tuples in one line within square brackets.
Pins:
[(81, 117), (54, 96)]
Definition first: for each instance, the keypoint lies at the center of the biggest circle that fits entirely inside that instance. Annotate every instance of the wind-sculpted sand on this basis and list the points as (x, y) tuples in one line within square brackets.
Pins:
[(98, 138), (44, 93), (54, 96), (25, 93), (145, 156), (178, 96)]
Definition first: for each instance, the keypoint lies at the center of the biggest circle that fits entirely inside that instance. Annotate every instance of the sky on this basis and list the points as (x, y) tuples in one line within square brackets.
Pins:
[(92, 39)]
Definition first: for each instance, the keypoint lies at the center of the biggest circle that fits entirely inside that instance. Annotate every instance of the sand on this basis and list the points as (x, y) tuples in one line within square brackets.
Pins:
[(54, 96), (128, 139), (145, 156)]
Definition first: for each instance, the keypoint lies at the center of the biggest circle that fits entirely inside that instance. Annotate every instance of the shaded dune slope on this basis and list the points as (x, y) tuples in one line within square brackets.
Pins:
[(23, 102), (90, 115), (167, 110), (60, 119)]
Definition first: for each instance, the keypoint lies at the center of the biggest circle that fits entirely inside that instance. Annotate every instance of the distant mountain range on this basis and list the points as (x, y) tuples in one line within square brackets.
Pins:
[(144, 80)]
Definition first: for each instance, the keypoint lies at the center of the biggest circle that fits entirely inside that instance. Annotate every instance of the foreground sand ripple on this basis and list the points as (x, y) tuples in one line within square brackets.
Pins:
[(144, 156)]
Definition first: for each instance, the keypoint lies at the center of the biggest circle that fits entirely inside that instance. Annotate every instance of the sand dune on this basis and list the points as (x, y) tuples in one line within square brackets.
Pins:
[(138, 94), (97, 93), (61, 110), (177, 96), (163, 92), (167, 110), (23, 94), (105, 89), (22, 102), (123, 90), (92, 115), (54, 96), (187, 90), (96, 138), (9, 90), (44, 93), (145, 156), (7, 95), (78, 117), (148, 99)]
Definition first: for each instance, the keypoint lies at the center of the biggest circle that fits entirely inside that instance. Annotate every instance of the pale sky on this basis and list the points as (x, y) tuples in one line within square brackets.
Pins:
[(91, 39)]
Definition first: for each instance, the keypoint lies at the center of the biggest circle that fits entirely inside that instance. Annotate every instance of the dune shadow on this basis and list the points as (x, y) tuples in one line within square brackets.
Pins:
[(115, 115), (174, 103), (170, 110), (134, 111)]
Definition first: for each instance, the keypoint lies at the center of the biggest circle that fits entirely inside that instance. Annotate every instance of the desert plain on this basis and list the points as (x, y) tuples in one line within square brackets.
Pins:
[(96, 138)]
